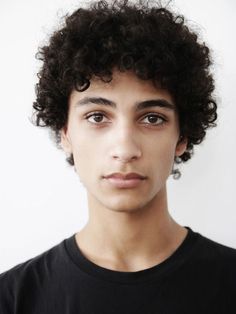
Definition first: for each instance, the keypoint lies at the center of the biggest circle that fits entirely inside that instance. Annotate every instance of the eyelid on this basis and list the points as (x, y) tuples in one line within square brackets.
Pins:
[(156, 114), (88, 115)]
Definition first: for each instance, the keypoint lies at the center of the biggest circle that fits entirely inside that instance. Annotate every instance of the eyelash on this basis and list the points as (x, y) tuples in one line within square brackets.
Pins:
[(148, 115)]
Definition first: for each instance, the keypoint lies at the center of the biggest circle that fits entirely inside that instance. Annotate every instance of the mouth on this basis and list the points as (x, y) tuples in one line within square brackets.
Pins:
[(129, 180), (125, 176)]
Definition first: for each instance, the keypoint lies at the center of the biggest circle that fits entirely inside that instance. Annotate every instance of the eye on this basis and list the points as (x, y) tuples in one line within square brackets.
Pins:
[(97, 116), (155, 119)]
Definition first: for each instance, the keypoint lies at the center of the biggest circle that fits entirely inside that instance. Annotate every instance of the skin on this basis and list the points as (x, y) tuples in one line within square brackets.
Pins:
[(128, 229)]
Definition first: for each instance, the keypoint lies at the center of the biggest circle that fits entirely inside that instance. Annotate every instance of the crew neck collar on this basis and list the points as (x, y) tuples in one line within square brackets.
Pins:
[(145, 275)]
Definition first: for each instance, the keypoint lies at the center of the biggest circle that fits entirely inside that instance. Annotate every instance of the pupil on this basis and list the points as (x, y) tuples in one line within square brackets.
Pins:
[(98, 118), (152, 118)]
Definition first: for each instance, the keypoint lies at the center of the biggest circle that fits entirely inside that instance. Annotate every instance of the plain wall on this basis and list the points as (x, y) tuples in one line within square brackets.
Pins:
[(41, 198)]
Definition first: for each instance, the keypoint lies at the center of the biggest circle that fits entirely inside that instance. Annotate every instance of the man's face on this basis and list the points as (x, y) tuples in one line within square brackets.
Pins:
[(124, 126)]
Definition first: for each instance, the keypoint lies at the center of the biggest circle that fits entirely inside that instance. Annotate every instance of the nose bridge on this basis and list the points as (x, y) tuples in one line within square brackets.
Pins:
[(125, 128), (126, 144)]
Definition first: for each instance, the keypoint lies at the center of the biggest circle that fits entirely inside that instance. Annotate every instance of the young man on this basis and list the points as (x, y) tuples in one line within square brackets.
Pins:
[(127, 91)]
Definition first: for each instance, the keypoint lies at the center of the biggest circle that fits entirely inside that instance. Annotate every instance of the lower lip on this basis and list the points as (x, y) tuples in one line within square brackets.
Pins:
[(124, 183)]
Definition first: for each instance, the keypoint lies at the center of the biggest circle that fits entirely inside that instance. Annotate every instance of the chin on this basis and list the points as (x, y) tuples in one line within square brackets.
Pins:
[(127, 205)]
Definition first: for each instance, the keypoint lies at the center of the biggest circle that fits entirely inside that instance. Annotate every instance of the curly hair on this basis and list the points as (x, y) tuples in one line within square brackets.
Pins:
[(152, 41)]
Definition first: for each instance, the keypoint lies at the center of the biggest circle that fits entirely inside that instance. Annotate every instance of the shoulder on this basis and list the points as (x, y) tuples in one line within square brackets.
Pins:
[(214, 250), (217, 258), (29, 273)]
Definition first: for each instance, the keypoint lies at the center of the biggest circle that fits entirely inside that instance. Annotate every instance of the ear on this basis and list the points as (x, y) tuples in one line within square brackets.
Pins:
[(65, 141), (181, 146)]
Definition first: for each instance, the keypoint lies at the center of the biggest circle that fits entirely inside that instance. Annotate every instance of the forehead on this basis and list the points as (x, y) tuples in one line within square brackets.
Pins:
[(124, 88), (127, 80)]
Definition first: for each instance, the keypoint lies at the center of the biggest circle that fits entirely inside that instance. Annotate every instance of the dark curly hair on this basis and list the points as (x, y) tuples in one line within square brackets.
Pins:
[(152, 41)]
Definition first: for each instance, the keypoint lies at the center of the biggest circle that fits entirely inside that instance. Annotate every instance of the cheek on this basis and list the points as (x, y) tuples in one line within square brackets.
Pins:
[(87, 158), (164, 148), (162, 158), (83, 155)]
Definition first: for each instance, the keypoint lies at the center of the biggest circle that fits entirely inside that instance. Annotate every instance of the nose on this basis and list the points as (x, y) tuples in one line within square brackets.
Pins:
[(125, 144)]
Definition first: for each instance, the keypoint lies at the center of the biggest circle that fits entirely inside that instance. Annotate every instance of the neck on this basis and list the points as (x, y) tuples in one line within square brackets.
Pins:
[(130, 240)]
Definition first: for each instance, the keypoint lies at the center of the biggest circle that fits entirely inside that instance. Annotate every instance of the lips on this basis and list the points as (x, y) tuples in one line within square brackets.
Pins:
[(125, 176)]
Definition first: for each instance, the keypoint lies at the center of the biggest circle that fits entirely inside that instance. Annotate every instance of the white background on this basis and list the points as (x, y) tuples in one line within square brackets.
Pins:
[(41, 198)]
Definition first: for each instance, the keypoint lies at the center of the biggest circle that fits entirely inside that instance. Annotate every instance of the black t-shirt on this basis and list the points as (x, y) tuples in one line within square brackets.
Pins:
[(199, 277)]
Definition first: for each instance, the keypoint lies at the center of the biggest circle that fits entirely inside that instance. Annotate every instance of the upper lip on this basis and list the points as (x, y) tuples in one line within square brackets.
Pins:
[(125, 176)]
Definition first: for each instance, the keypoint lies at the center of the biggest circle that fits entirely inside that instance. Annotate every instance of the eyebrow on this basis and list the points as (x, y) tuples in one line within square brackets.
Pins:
[(163, 103)]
